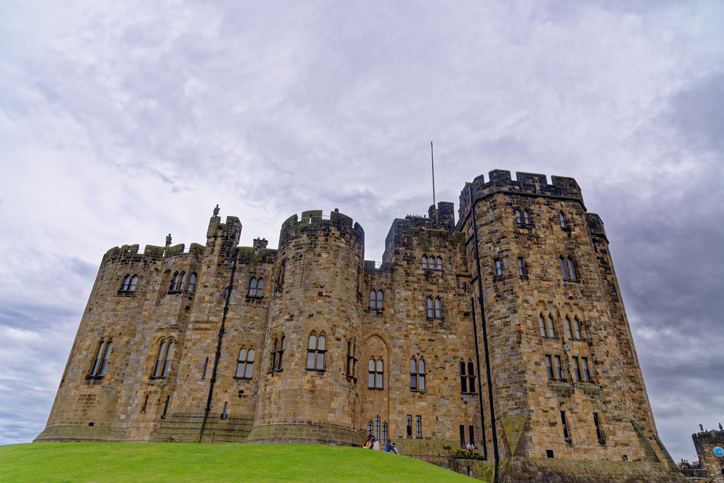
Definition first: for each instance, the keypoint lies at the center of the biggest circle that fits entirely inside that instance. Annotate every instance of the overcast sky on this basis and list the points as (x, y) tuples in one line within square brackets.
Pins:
[(121, 122)]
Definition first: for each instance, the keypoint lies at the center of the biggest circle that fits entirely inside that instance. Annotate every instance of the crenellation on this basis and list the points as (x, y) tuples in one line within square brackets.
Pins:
[(309, 342)]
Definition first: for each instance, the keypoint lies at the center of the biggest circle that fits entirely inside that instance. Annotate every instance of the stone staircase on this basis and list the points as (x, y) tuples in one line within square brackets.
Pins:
[(184, 427)]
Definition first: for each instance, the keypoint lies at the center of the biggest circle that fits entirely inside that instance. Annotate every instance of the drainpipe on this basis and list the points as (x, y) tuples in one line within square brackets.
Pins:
[(218, 346), (483, 324)]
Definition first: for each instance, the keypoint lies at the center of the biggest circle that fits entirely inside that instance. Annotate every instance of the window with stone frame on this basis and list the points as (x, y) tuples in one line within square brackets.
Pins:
[(256, 287), (467, 378), (551, 327), (562, 218), (439, 263), (549, 367), (522, 217), (315, 352), (424, 261), (174, 283), (521, 267), (244, 364), (498, 268), (434, 308), (559, 368), (586, 370), (376, 373), (417, 374), (129, 283), (351, 360), (376, 299), (577, 329), (277, 353), (101, 360), (568, 269), (542, 326), (192, 283), (163, 358), (576, 368), (409, 426), (419, 426)]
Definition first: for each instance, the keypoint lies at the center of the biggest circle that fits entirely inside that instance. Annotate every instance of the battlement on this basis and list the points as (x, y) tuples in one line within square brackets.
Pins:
[(150, 252), (315, 220), (525, 184)]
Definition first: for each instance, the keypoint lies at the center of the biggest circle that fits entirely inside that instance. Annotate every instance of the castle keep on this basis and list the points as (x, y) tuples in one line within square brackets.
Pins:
[(505, 328)]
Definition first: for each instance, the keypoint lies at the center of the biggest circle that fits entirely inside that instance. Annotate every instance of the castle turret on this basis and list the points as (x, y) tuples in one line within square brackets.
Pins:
[(305, 394)]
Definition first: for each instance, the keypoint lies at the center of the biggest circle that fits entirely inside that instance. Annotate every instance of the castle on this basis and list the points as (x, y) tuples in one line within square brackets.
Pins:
[(505, 328)]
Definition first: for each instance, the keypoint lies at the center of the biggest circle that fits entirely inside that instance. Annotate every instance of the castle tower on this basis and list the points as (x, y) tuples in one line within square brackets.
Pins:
[(305, 394), (552, 326)]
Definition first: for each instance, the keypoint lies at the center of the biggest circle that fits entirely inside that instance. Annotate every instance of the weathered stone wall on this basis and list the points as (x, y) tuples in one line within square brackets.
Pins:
[(705, 443), (318, 283)]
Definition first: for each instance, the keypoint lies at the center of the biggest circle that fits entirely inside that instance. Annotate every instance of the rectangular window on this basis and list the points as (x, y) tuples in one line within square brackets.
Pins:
[(586, 374), (521, 267), (599, 431), (565, 425), (571, 270), (463, 378), (462, 436), (563, 268), (223, 415), (498, 268), (559, 368), (419, 426), (549, 367), (409, 426), (576, 368), (472, 434)]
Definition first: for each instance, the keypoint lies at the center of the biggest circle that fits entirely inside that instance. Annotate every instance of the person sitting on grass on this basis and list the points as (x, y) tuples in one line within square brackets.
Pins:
[(375, 444), (368, 444), (390, 448)]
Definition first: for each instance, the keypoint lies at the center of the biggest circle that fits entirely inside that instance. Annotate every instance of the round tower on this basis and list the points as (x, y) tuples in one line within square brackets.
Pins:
[(308, 391)]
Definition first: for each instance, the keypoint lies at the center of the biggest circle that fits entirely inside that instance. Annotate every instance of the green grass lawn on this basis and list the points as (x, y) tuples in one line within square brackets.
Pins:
[(188, 462)]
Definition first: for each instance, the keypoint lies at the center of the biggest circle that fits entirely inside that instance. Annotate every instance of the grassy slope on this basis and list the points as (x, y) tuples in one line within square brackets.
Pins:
[(157, 462)]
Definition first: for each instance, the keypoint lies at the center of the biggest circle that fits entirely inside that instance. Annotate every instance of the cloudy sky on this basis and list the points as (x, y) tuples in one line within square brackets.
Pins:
[(121, 122)]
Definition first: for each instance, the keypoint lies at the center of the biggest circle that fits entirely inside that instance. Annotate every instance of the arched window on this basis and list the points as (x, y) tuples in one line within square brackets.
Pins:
[(439, 263), (174, 283), (377, 427), (518, 216), (315, 352), (542, 326), (369, 428), (126, 283), (384, 433), (551, 328), (379, 299), (182, 280), (376, 370), (417, 374), (192, 282), (424, 261), (563, 220), (134, 282), (569, 331), (526, 218), (577, 328), (101, 360), (163, 359), (467, 378), (373, 299), (244, 364), (413, 374), (438, 308), (256, 287), (430, 310)]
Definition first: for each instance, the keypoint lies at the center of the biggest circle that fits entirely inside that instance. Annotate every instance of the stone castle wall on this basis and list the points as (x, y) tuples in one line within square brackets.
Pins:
[(369, 373)]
